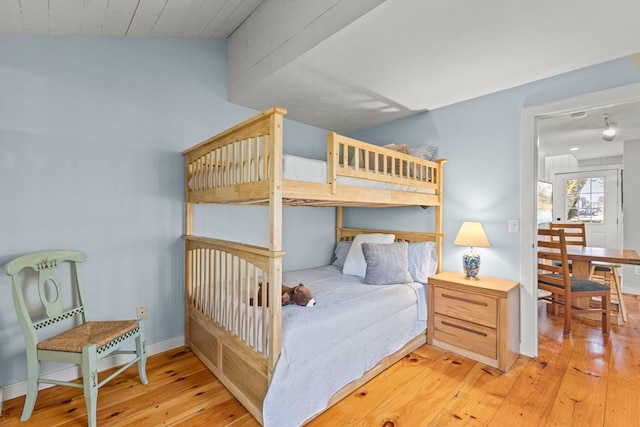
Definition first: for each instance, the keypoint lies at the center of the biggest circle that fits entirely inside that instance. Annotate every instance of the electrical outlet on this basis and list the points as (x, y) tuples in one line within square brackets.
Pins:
[(638, 270), (142, 312)]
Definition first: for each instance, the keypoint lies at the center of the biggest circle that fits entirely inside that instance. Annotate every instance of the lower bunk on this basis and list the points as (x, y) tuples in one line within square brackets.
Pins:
[(287, 364)]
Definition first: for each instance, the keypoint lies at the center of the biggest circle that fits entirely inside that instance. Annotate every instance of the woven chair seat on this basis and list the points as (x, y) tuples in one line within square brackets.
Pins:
[(98, 333)]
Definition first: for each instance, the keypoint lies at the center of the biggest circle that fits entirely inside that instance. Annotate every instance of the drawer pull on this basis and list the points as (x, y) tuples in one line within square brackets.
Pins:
[(470, 301), (473, 331)]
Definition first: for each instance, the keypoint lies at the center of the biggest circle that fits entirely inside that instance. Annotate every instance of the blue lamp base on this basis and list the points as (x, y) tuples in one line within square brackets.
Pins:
[(471, 263)]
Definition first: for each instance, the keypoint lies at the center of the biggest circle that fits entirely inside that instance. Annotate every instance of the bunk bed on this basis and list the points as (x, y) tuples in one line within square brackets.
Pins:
[(244, 345)]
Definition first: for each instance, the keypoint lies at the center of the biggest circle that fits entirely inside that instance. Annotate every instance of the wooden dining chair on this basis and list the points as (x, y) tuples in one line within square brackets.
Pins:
[(559, 286), (574, 232), (603, 272), (48, 294)]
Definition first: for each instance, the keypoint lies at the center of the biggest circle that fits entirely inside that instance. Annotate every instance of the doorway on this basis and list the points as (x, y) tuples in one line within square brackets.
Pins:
[(528, 210), (590, 197)]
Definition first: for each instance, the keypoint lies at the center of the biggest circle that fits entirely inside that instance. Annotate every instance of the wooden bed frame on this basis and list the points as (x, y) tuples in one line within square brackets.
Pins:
[(234, 340)]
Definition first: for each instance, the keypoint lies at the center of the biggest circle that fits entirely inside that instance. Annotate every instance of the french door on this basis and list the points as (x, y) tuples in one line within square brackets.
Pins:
[(591, 197)]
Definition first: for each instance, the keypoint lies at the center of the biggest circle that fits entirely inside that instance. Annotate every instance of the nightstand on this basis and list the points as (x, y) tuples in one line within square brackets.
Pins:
[(478, 319)]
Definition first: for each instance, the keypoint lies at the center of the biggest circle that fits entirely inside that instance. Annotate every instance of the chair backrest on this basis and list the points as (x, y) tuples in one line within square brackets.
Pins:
[(40, 269), (553, 265), (574, 232)]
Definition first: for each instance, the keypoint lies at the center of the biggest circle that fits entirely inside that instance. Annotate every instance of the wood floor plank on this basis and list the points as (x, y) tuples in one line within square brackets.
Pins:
[(193, 397), (244, 421), (379, 390), (227, 412), (623, 392), (423, 397), (530, 399), (580, 400), (430, 387), (477, 403)]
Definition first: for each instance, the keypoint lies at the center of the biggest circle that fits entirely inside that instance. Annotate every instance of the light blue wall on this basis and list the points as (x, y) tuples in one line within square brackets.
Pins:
[(91, 135), (91, 131), (308, 236), (481, 139)]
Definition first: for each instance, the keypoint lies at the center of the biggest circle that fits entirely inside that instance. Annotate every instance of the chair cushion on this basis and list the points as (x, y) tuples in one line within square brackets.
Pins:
[(559, 264), (98, 333), (585, 285), (577, 284)]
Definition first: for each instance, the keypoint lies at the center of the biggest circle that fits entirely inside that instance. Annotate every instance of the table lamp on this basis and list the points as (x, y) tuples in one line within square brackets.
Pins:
[(471, 234)]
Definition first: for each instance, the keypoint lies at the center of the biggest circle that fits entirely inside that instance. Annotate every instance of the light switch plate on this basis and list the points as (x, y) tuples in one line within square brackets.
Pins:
[(514, 226)]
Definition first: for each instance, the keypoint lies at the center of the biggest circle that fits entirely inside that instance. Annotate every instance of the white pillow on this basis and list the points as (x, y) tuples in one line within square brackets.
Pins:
[(423, 261), (355, 263)]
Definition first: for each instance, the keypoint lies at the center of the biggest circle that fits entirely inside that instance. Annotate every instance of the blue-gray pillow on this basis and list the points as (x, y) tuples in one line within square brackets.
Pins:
[(355, 264), (342, 250), (387, 263)]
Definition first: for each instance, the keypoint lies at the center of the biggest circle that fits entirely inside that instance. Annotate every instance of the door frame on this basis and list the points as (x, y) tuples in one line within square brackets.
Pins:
[(612, 203), (528, 209)]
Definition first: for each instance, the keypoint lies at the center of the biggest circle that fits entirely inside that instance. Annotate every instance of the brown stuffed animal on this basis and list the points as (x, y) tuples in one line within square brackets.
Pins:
[(300, 295)]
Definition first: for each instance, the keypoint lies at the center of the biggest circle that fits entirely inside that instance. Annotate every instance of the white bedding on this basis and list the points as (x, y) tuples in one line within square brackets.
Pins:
[(325, 347)]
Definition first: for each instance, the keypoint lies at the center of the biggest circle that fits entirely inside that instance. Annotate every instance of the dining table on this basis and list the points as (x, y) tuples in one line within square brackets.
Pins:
[(582, 256)]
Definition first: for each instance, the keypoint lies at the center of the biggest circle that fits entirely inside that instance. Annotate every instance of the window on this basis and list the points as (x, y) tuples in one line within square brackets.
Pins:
[(585, 200)]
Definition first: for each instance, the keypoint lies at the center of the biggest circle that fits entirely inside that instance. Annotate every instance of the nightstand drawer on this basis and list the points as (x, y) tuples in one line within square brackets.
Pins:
[(466, 335), (480, 309)]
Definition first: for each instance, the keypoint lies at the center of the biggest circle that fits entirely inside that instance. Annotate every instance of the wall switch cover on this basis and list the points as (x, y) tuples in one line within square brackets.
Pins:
[(514, 226)]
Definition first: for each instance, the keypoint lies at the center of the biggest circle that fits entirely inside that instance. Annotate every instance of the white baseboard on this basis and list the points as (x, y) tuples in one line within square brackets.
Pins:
[(20, 389)]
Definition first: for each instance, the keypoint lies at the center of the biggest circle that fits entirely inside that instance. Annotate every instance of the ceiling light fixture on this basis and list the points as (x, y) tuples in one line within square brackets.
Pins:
[(609, 132)]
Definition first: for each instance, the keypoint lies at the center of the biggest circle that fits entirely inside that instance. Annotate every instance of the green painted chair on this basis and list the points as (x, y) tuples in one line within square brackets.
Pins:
[(41, 302)]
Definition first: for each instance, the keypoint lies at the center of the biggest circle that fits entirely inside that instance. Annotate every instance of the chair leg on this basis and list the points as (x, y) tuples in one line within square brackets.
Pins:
[(33, 373), (606, 307), (611, 279), (141, 353), (623, 307), (90, 382), (567, 316)]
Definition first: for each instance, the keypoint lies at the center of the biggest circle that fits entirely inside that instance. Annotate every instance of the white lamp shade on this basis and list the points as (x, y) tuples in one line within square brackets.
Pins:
[(472, 234)]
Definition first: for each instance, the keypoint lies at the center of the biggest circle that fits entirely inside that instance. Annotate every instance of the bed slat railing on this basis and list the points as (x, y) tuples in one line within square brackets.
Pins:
[(222, 277), (237, 156), (229, 164), (358, 159)]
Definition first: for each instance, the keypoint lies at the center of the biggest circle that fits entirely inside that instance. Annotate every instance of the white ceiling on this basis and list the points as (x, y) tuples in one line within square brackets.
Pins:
[(346, 65), (561, 134), (162, 18)]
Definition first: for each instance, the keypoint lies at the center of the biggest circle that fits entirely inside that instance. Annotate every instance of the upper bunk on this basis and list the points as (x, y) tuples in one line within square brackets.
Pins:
[(246, 165)]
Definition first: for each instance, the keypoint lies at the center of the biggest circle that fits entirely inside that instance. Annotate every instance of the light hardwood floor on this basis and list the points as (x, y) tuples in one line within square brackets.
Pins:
[(586, 379)]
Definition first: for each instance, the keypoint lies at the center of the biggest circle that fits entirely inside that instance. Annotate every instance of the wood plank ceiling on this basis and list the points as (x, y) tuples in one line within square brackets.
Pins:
[(161, 18)]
